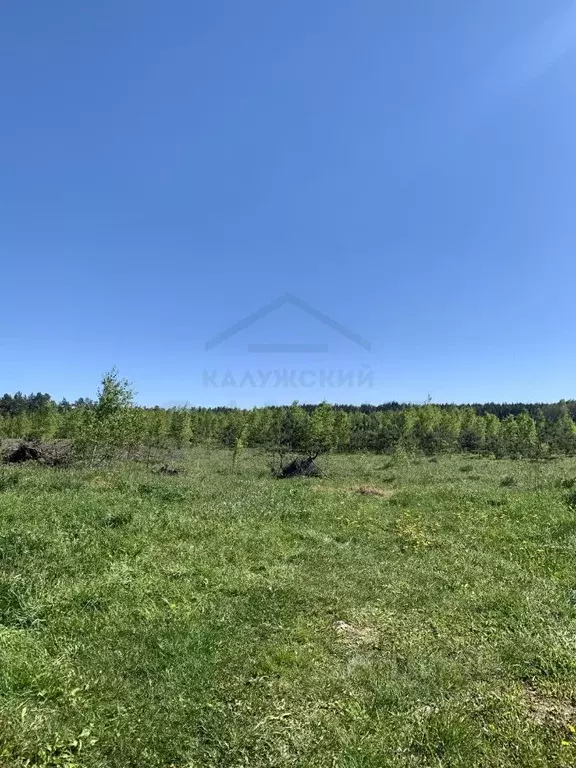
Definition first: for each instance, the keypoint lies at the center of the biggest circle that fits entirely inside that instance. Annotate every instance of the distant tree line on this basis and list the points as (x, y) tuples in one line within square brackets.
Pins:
[(113, 422)]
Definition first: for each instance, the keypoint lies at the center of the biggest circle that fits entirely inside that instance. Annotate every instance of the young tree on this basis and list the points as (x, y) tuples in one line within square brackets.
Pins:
[(526, 435), (135, 430), (426, 429), (180, 428), (509, 433), (105, 427), (493, 442), (563, 433), (407, 430), (156, 430), (239, 446), (20, 425), (448, 431), (296, 428), (472, 431), (321, 438), (44, 422), (341, 430), (114, 395)]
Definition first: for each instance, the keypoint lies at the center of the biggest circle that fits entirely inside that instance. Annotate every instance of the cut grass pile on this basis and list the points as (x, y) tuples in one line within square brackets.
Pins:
[(223, 618)]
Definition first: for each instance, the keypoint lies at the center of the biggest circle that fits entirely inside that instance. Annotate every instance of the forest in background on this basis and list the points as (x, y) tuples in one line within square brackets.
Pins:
[(499, 429)]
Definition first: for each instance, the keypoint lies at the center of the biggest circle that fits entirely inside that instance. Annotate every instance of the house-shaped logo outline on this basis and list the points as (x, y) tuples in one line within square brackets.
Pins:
[(287, 298)]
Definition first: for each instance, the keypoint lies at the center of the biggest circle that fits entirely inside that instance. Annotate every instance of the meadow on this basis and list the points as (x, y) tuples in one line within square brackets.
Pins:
[(402, 611)]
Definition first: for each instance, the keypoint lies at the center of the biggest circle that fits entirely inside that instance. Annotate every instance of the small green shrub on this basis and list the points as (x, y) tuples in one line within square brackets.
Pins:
[(508, 481)]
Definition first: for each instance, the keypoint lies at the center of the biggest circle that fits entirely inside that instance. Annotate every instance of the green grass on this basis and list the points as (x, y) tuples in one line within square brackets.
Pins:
[(225, 618)]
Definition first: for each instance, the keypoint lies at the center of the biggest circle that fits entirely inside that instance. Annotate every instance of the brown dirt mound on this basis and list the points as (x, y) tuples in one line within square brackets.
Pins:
[(24, 452), (51, 455), (546, 709)]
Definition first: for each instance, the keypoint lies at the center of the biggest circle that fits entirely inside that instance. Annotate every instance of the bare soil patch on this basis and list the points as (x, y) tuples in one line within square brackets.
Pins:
[(549, 709), (355, 635), (370, 490)]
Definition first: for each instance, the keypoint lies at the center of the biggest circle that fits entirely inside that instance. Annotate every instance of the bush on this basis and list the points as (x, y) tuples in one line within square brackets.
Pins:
[(508, 481)]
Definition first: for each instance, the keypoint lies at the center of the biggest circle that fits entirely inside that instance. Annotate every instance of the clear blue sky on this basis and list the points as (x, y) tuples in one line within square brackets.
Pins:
[(407, 168)]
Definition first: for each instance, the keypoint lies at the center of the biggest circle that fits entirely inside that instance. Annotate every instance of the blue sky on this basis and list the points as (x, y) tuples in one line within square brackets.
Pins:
[(406, 168)]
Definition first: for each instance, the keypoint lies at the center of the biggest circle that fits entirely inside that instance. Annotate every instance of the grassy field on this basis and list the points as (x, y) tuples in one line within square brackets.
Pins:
[(225, 618)]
